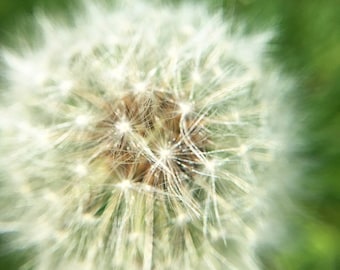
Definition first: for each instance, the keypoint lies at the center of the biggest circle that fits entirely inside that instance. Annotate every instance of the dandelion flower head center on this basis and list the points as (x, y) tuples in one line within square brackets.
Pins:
[(150, 139)]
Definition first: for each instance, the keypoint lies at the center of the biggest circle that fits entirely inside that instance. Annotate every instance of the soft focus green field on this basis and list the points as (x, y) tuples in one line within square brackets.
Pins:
[(308, 46)]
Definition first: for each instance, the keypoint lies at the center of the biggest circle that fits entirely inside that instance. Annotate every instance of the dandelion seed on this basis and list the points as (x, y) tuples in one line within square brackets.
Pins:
[(185, 108), (123, 126), (196, 77), (82, 121), (65, 87), (140, 87), (124, 185), (165, 153), (182, 219), (81, 170)]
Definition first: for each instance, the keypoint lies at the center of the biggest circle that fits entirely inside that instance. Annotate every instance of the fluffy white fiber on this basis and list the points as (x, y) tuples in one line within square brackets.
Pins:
[(139, 136)]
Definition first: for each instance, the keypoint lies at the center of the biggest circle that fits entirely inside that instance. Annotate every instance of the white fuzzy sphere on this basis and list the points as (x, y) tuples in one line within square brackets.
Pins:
[(139, 136)]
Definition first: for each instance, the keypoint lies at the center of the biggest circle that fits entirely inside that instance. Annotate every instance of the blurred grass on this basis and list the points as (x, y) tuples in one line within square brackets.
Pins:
[(309, 48)]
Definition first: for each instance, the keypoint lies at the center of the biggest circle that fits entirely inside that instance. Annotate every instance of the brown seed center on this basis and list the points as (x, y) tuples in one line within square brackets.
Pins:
[(149, 139)]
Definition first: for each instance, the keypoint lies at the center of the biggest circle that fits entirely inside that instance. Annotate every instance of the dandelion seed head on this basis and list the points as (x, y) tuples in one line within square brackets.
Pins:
[(141, 139)]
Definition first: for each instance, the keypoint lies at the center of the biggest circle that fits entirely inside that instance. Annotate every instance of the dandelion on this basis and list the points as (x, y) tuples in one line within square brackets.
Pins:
[(138, 136)]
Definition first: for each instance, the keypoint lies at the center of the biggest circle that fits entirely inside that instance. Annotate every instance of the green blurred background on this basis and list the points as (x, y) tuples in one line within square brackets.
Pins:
[(308, 47)]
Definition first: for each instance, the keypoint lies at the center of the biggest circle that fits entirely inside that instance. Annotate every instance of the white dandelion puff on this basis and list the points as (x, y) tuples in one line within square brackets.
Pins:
[(138, 137)]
